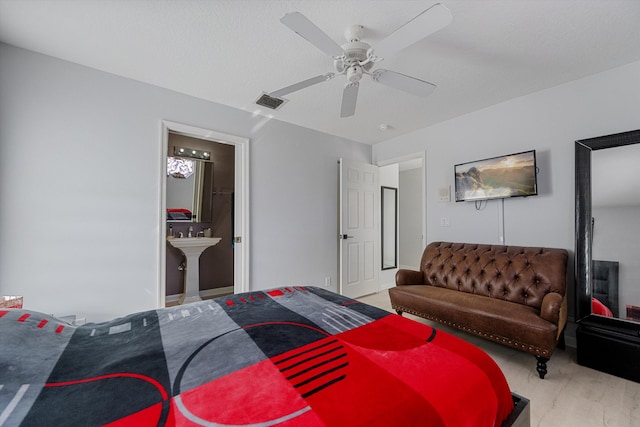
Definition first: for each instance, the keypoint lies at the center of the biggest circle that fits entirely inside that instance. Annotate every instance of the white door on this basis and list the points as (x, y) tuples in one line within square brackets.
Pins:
[(359, 229)]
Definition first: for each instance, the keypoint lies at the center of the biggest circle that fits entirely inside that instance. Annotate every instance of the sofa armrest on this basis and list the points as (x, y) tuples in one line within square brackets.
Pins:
[(409, 277), (552, 309)]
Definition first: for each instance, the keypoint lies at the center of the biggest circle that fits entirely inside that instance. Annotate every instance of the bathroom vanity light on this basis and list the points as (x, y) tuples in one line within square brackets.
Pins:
[(192, 153)]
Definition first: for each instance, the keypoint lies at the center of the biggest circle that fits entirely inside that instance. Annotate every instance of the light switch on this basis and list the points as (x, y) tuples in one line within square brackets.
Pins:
[(444, 194)]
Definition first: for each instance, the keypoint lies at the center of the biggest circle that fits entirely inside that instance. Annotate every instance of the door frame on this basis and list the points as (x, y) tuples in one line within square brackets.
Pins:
[(241, 225)]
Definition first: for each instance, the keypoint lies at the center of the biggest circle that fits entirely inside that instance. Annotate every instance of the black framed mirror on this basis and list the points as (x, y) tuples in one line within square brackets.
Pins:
[(389, 227), (608, 341), (585, 223)]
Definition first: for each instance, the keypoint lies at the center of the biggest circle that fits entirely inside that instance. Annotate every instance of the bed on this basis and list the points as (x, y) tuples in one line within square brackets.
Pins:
[(179, 214), (292, 356)]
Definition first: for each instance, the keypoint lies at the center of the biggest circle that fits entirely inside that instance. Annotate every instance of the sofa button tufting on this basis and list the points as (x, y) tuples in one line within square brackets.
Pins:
[(518, 277)]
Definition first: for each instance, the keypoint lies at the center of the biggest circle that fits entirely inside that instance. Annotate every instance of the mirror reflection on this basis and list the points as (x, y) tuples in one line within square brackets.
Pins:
[(389, 228), (189, 185), (615, 192), (189, 179)]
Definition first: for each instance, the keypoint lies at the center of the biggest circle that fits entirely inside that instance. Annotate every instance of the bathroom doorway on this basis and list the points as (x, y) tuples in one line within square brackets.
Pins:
[(206, 194)]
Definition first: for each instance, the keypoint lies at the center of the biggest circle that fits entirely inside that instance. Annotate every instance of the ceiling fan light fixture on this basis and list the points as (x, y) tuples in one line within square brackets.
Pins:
[(354, 73)]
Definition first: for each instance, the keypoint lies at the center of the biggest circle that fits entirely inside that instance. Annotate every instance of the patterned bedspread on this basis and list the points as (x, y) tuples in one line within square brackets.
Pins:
[(296, 356)]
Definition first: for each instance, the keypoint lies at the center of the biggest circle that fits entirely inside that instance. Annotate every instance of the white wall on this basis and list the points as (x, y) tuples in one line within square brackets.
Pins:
[(549, 122), (181, 191), (411, 247), (616, 237), (389, 176), (80, 165)]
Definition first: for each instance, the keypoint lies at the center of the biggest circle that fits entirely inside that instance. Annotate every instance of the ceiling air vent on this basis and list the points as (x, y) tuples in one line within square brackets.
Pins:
[(270, 102)]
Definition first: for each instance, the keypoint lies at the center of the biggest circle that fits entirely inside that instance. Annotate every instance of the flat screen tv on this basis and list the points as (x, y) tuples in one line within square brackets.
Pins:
[(513, 175)]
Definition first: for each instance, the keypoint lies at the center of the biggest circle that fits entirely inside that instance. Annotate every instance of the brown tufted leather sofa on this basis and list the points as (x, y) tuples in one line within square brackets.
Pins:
[(513, 295)]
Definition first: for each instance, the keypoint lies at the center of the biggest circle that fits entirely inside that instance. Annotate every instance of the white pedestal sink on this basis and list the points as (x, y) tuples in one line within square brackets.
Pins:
[(192, 248)]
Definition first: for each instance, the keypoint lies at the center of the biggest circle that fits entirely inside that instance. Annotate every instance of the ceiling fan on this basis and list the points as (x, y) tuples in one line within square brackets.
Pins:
[(356, 57)]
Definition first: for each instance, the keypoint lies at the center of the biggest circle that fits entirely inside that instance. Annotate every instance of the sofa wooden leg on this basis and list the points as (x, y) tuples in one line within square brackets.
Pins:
[(542, 366), (399, 312)]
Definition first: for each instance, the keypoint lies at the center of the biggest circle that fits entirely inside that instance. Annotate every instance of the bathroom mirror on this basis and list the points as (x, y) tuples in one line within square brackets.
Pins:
[(389, 227), (190, 183), (190, 194)]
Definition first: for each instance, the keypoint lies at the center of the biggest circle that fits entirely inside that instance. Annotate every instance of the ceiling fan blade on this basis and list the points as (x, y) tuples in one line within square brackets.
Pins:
[(311, 33), (427, 22), (349, 98), (408, 84), (301, 85)]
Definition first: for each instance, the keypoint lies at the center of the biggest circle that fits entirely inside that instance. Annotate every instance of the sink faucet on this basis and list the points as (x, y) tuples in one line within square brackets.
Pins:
[(190, 232)]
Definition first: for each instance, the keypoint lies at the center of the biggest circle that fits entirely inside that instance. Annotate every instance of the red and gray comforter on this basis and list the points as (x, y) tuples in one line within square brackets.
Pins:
[(296, 356)]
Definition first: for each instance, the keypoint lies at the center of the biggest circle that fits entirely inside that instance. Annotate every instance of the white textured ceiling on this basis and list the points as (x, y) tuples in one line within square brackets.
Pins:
[(230, 51)]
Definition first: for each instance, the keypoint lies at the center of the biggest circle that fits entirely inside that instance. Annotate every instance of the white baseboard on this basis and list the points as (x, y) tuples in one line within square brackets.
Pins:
[(385, 286), (208, 293)]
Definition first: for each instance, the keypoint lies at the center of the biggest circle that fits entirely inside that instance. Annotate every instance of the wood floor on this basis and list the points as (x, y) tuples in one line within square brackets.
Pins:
[(570, 395)]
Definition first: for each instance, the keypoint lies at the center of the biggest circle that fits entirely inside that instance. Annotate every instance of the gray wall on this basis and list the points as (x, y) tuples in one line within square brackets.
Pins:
[(388, 177), (80, 169), (410, 201), (616, 237), (549, 122)]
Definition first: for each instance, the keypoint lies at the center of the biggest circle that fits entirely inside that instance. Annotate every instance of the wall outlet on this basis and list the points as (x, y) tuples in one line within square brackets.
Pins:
[(327, 282), (444, 221)]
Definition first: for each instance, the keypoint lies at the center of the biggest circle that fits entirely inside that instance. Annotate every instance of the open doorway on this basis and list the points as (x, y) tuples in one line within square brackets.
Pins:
[(410, 179), (411, 209), (215, 205)]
